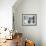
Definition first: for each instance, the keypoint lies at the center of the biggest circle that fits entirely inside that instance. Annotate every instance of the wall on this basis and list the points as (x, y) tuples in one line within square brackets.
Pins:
[(28, 7), (6, 13), (43, 22)]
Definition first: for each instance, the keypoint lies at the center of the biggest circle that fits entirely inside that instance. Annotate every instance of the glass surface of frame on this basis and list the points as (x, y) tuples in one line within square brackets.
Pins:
[(29, 19)]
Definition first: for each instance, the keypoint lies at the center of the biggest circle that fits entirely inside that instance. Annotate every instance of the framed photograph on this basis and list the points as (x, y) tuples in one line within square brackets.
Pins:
[(29, 19)]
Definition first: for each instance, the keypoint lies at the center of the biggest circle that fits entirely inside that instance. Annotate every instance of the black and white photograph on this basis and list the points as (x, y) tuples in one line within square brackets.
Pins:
[(29, 19)]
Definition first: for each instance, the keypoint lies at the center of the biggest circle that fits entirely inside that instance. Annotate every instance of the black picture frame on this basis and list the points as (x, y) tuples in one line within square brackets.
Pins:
[(29, 19)]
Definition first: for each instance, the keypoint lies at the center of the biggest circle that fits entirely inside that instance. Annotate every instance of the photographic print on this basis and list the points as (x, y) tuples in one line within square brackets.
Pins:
[(29, 19)]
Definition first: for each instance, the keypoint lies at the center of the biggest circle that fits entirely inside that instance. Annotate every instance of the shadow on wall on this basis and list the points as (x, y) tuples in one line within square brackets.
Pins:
[(28, 7)]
